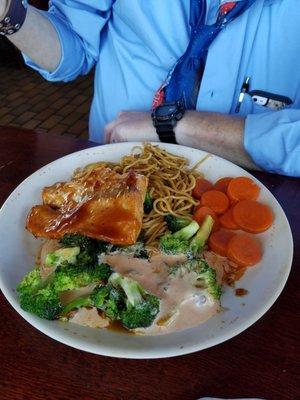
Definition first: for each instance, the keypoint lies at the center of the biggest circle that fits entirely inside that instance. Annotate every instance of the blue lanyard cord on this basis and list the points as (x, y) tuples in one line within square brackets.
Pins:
[(185, 79)]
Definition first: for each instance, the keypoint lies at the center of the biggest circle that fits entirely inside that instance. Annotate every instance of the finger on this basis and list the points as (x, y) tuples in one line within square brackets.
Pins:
[(116, 137), (121, 113), (112, 125), (108, 129), (107, 134)]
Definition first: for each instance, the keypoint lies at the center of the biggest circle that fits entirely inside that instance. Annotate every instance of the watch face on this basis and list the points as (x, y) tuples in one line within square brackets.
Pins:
[(166, 110)]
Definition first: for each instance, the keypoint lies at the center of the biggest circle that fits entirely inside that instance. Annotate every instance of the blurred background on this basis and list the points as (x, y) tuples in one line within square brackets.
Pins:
[(27, 100)]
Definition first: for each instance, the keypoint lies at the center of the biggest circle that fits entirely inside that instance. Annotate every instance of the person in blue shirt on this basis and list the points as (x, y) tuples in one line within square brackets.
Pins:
[(133, 45)]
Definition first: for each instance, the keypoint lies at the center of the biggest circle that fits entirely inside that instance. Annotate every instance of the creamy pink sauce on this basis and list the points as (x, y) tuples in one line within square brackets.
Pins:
[(89, 317), (182, 304)]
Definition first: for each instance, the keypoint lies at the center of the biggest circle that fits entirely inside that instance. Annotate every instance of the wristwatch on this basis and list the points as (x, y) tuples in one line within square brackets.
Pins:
[(14, 17), (165, 118)]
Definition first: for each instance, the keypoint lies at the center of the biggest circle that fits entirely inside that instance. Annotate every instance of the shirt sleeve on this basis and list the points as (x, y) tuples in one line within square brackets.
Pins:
[(78, 25), (272, 140)]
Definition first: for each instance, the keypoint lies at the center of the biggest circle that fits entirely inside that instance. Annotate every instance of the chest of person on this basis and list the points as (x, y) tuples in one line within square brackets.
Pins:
[(261, 44)]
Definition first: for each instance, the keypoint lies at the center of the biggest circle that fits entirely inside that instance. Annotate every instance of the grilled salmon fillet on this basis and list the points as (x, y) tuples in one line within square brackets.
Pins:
[(97, 202)]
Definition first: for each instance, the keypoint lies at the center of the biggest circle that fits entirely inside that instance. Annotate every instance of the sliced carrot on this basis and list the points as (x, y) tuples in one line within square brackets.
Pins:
[(218, 241), (202, 212), (252, 216), (242, 188), (222, 184), (202, 185), (244, 250), (227, 221), (196, 207), (216, 200)]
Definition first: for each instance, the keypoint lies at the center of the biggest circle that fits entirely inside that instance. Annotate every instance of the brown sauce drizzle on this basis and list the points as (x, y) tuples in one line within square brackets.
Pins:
[(241, 292), (116, 326)]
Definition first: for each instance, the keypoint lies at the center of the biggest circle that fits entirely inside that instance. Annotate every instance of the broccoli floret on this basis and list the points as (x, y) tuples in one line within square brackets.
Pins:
[(133, 290), (89, 248), (106, 298), (148, 203), (70, 277), (187, 232), (44, 302), (185, 240), (71, 255), (42, 298), (77, 240), (38, 297), (85, 243), (121, 299), (141, 315), (102, 272), (110, 300), (170, 245), (199, 240), (141, 306), (100, 295), (88, 255), (86, 259), (205, 276), (178, 242), (30, 283), (51, 260), (60, 256), (114, 304), (85, 269), (174, 224)]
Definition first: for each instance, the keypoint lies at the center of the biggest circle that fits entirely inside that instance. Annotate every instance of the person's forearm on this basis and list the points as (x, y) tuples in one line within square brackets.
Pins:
[(215, 133), (37, 38)]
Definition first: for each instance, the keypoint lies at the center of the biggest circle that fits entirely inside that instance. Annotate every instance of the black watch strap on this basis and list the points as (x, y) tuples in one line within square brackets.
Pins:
[(166, 133), (14, 17), (165, 118)]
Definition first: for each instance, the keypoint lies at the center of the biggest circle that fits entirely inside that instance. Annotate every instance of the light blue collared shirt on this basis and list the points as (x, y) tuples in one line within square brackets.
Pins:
[(133, 44)]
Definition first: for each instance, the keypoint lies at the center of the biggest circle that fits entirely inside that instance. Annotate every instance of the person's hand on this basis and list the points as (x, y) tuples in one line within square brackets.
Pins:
[(3, 5), (131, 126)]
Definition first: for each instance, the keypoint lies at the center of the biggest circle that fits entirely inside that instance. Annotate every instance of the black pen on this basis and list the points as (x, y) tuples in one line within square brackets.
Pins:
[(244, 89)]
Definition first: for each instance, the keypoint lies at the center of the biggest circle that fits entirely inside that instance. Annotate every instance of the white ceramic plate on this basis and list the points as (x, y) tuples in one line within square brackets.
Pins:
[(264, 282)]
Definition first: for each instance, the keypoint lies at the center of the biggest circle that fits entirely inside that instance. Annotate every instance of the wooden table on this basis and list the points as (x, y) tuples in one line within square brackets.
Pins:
[(260, 362)]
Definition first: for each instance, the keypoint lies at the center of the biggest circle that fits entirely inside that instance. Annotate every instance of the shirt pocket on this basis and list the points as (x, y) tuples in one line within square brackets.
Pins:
[(249, 106)]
